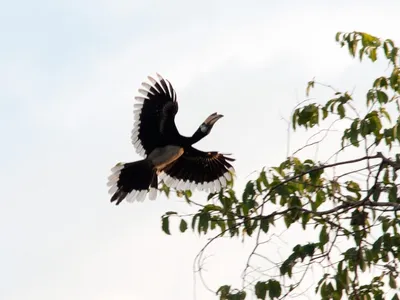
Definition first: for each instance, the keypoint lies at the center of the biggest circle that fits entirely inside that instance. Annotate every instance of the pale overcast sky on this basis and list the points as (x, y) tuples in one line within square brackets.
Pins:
[(69, 72)]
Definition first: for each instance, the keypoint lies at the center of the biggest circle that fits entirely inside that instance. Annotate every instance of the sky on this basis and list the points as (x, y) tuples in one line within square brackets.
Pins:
[(69, 73)]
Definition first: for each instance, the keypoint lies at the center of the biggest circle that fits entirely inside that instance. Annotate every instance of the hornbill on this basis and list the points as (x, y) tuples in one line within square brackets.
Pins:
[(169, 156)]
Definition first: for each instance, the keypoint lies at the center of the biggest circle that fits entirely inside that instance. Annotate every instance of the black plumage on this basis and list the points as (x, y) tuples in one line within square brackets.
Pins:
[(168, 155)]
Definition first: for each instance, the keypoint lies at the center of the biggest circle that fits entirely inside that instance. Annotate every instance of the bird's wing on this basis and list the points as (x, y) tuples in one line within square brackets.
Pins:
[(208, 171), (154, 113)]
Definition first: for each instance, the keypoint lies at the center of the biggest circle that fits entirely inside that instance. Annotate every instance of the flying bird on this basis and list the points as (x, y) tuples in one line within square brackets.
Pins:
[(168, 155)]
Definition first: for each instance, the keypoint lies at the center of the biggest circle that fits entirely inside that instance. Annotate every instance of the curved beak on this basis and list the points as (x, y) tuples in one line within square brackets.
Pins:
[(212, 119)]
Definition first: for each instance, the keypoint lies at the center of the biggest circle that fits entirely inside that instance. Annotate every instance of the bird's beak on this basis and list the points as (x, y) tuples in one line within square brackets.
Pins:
[(212, 119)]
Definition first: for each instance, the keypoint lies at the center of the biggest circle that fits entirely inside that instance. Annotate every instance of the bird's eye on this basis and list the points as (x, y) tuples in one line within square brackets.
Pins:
[(204, 128)]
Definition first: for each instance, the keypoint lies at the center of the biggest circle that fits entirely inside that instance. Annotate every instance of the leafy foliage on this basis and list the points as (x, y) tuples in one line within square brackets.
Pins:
[(326, 198)]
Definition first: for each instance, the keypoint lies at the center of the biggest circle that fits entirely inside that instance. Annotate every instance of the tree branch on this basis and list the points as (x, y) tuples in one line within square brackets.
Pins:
[(378, 155)]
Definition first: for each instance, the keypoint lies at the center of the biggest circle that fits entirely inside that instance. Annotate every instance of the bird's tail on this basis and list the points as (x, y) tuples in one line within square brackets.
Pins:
[(132, 181)]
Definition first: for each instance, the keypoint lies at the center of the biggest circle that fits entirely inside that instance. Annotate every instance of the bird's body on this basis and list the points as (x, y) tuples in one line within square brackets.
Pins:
[(168, 155)]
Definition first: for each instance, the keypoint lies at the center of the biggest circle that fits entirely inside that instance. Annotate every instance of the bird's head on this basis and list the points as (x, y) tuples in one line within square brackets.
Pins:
[(208, 124), (205, 127)]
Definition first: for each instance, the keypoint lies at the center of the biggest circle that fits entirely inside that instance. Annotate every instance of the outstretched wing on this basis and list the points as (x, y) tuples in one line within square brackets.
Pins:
[(208, 171), (154, 115)]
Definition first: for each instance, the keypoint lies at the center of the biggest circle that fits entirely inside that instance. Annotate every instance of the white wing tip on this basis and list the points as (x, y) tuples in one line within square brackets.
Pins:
[(113, 190), (152, 194), (152, 80), (211, 186), (141, 99), (159, 76), (140, 195), (118, 167)]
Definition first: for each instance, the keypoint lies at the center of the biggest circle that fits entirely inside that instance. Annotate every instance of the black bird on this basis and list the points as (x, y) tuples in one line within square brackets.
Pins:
[(168, 155)]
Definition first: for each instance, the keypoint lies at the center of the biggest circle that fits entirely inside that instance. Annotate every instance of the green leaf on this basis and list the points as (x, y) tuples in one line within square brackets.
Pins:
[(354, 133), (239, 295), (337, 36), (221, 224), (383, 111), (264, 225), (213, 224), (212, 207), (309, 86), (358, 218), (165, 225), (385, 225), (371, 97), (376, 194), (183, 226), (324, 291), (261, 289), (377, 245), (392, 281), (375, 124), (305, 217), (364, 129), (164, 188), (187, 194), (352, 45), (203, 222), (321, 281), (264, 179), (386, 177), (393, 194), (320, 198), (372, 54), (353, 187), (248, 191), (394, 55), (309, 249), (231, 222), (367, 39), (380, 82), (386, 49), (194, 220), (288, 220), (294, 118), (168, 213), (323, 235), (275, 289), (223, 291), (248, 227), (341, 111), (324, 113), (382, 97), (315, 176), (258, 185), (308, 116)]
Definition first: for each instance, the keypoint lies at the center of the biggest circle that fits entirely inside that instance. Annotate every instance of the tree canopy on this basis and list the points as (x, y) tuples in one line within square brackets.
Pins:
[(349, 206)]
